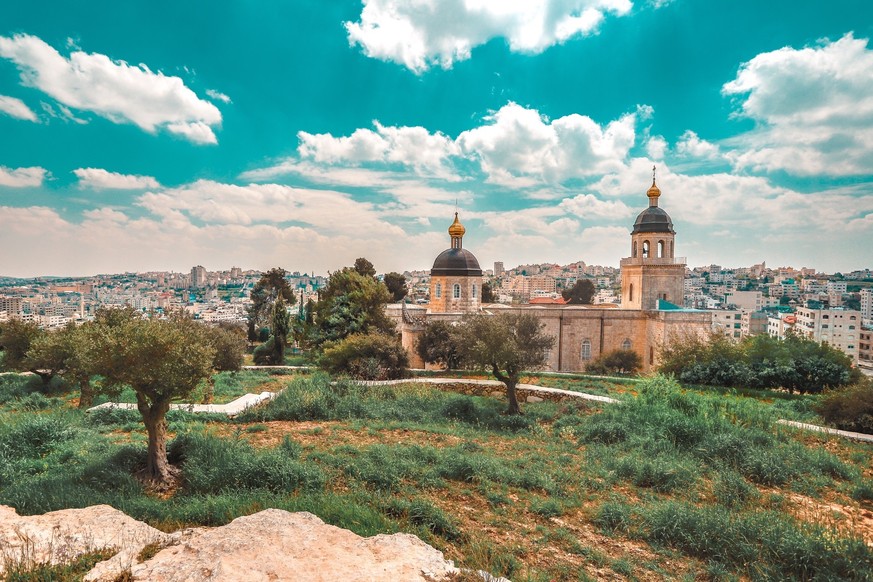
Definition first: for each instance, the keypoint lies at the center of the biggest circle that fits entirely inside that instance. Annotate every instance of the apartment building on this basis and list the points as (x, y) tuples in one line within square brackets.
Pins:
[(837, 327)]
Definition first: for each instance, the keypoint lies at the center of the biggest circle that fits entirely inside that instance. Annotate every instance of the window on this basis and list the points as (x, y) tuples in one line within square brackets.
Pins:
[(438, 290), (660, 249), (634, 253), (645, 249), (586, 350), (456, 291), (473, 294), (630, 292), (626, 344)]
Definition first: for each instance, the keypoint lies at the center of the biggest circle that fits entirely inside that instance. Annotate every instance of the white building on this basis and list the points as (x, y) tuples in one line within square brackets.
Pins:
[(745, 300), (839, 328), (867, 305)]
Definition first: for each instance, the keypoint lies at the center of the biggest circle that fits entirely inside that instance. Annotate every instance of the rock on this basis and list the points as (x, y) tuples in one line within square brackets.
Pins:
[(498, 394), (278, 545), (59, 536), (531, 399)]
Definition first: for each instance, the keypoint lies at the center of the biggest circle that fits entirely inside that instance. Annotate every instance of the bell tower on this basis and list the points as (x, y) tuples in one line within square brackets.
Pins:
[(652, 272)]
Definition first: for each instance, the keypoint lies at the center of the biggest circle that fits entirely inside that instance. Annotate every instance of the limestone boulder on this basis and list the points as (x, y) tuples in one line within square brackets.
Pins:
[(58, 537), (278, 545)]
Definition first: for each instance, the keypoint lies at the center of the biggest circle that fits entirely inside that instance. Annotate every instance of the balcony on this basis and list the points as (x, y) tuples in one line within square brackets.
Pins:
[(653, 261)]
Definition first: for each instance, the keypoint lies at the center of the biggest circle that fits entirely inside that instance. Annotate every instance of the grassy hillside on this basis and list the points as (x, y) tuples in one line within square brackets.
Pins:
[(670, 484)]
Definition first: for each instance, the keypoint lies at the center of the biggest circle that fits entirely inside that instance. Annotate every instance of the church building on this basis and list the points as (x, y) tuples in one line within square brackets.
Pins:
[(652, 288)]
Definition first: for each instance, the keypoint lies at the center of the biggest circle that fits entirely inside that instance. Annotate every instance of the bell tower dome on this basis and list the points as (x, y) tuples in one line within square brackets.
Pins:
[(455, 278), (652, 273)]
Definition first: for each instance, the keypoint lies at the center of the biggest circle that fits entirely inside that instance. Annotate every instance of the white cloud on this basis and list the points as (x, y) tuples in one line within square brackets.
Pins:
[(588, 206), (16, 108), (21, 177), (520, 147), (813, 107), (690, 145), (113, 89), (656, 147), (421, 33), (99, 179), (218, 95), (414, 147)]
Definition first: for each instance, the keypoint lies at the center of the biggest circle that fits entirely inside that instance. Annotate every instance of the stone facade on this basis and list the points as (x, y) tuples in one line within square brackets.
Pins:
[(582, 333)]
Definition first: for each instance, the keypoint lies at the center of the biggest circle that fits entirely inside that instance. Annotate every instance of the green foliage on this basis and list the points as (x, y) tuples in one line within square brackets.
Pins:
[(71, 571), (796, 363), (281, 327), (505, 345), (624, 362), (229, 342), (488, 293), (264, 353), (440, 343), (581, 293), (371, 356), (16, 337), (351, 303), (271, 285), (396, 284), (422, 513), (364, 267), (849, 408)]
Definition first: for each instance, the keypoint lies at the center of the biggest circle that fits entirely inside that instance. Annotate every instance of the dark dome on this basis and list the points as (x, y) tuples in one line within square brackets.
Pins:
[(456, 262), (653, 219)]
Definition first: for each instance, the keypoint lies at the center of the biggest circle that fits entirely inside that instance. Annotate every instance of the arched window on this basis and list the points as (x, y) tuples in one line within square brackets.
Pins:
[(473, 293), (626, 344), (586, 350), (456, 291), (634, 253), (645, 249), (671, 249), (630, 292), (438, 290), (660, 249)]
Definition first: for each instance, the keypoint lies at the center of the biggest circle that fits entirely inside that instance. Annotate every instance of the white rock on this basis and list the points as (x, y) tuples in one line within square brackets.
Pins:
[(532, 399), (278, 545)]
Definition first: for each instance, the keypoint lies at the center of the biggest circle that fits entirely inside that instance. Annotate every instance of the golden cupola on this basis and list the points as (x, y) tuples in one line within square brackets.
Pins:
[(457, 229), (654, 192)]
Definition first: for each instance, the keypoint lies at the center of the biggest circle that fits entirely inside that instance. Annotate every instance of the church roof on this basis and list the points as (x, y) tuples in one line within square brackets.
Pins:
[(456, 262)]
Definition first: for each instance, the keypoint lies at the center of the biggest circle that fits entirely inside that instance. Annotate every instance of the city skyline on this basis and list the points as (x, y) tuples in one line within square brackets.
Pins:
[(156, 136)]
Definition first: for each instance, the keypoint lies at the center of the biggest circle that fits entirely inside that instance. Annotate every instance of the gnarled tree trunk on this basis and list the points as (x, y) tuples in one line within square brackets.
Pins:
[(86, 393), (510, 380), (155, 419)]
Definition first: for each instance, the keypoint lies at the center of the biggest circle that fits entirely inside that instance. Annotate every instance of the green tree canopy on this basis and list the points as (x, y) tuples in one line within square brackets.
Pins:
[(582, 293), (622, 362), (281, 329), (15, 340), (396, 284), (350, 303), (439, 344), (271, 285), (364, 267), (162, 361), (488, 293), (68, 353), (506, 345)]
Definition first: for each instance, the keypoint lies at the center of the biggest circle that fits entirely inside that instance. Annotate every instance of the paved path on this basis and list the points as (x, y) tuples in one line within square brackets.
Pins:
[(857, 436), (231, 408)]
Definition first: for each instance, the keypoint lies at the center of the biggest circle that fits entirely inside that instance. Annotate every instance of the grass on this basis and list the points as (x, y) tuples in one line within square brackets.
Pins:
[(672, 483)]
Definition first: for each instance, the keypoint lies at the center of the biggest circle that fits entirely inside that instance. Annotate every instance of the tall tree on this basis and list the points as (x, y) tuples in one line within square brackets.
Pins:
[(488, 293), (506, 345), (582, 293), (281, 328), (350, 303), (365, 267), (271, 285), (396, 284), (162, 361)]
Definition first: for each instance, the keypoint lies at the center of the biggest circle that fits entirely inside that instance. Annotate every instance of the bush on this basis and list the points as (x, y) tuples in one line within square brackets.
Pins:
[(849, 408), (622, 362), (263, 354), (372, 356)]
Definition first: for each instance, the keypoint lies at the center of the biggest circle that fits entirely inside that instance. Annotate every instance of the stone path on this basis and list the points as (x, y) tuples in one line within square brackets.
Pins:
[(231, 408), (857, 436)]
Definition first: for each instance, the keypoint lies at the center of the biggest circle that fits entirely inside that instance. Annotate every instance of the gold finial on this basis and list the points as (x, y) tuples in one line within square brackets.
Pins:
[(654, 191), (457, 229)]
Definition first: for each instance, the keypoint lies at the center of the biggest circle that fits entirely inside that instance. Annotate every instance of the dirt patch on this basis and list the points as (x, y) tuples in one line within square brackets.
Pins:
[(848, 520)]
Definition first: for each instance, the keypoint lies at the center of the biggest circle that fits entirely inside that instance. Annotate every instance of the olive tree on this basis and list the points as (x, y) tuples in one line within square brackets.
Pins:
[(162, 361), (506, 345)]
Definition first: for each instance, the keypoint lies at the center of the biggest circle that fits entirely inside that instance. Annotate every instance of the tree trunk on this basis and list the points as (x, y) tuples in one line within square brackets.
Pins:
[(86, 394), (209, 396), (154, 418), (511, 397)]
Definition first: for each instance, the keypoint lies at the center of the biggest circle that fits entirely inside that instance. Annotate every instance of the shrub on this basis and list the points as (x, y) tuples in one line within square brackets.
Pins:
[(372, 356), (613, 517), (623, 362), (422, 513), (263, 354), (731, 490), (849, 408)]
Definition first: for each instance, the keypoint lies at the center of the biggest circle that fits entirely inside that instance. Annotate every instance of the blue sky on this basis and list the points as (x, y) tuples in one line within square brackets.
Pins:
[(159, 135)]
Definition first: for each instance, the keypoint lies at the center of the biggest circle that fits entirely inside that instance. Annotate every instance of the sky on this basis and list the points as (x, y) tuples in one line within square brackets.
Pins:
[(158, 135)]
